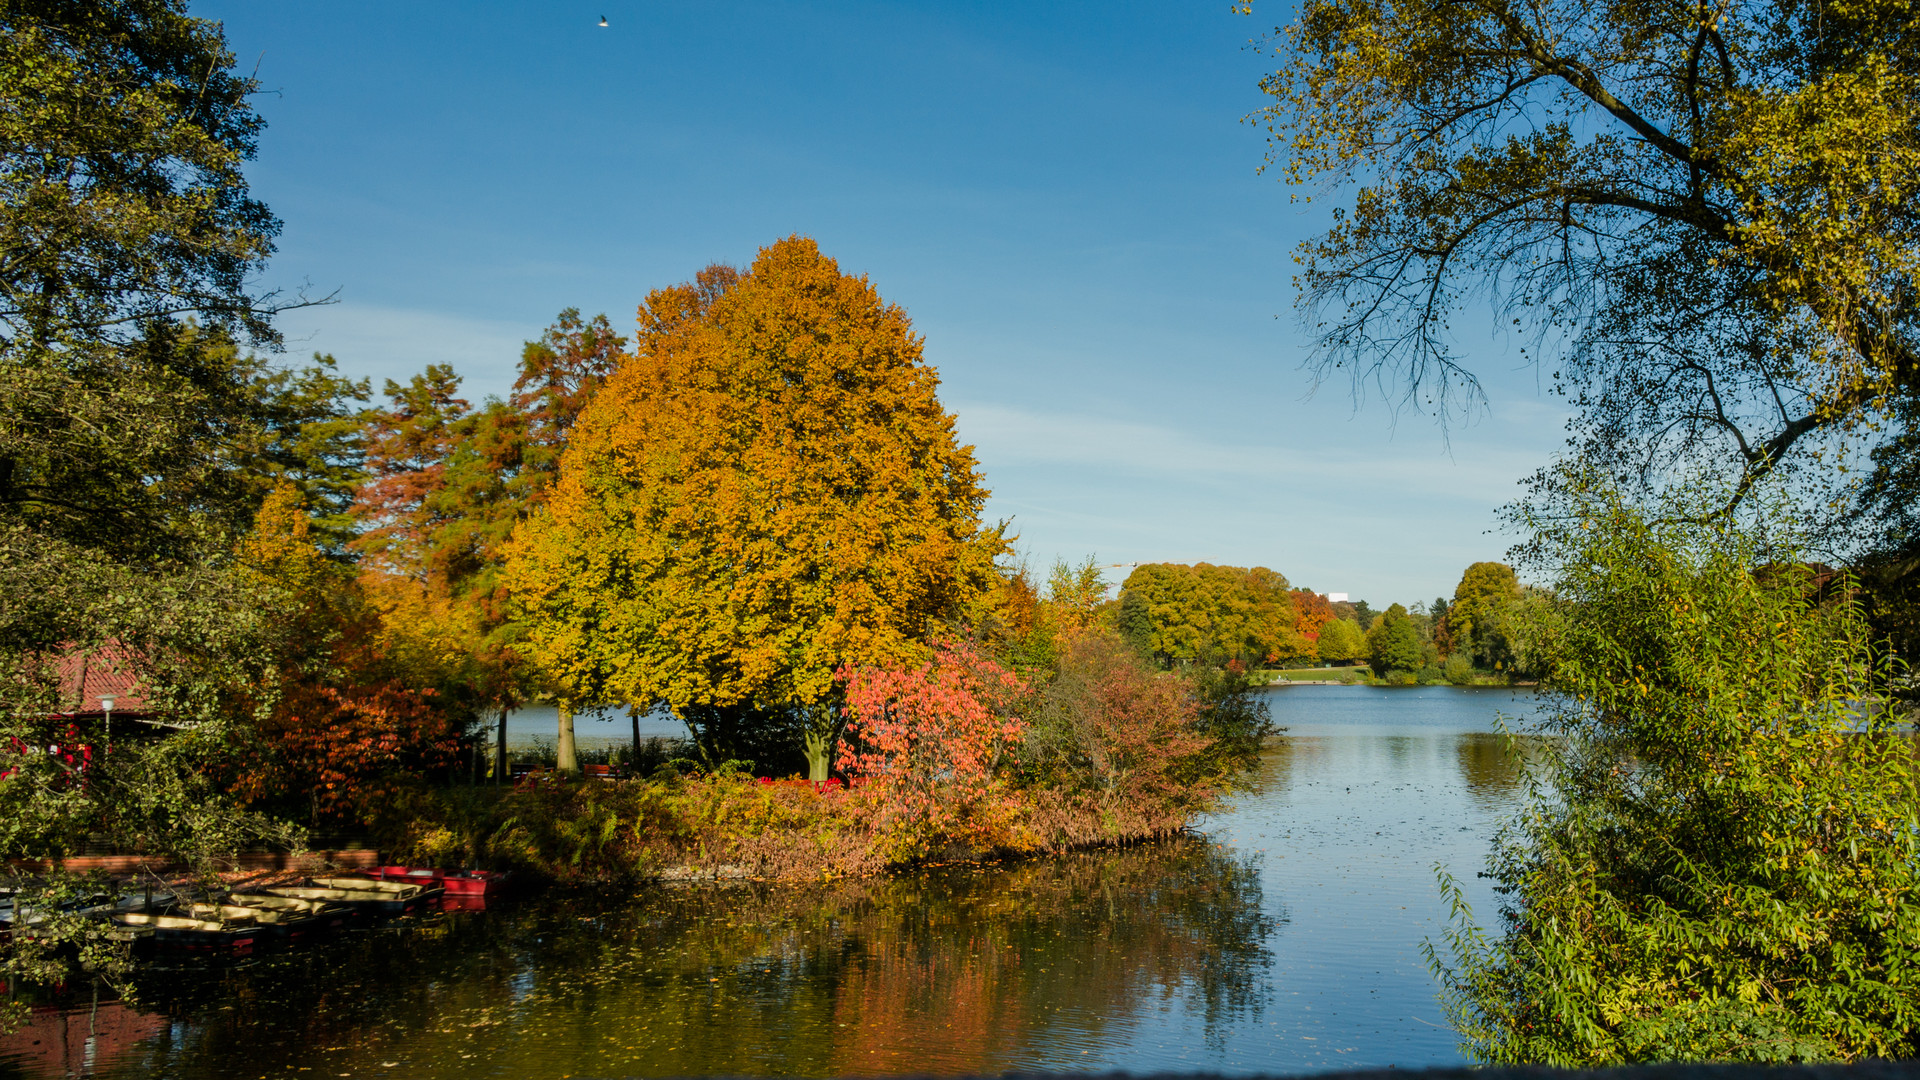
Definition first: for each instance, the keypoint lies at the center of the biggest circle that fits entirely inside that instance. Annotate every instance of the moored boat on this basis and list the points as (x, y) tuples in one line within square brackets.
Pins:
[(184, 932), (364, 894), (456, 882), (288, 918)]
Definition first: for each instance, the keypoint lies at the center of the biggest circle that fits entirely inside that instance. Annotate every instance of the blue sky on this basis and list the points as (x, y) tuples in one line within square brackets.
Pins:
[(1063, 197)]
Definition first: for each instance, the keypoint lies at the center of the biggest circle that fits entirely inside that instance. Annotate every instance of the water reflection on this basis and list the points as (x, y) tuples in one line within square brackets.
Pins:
[(1286, 940), (1037, 965)]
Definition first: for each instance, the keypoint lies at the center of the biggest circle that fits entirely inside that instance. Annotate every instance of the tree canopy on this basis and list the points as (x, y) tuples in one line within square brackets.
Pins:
[(1745, 889), (1213, 613), (1394, 642), (1340, 640), (125, 428), (1700, 216), (1478, 620), (132, 435), (767, 489)]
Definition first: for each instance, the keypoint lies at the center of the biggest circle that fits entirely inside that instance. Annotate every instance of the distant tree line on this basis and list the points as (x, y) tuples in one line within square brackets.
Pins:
[(1182, 614)]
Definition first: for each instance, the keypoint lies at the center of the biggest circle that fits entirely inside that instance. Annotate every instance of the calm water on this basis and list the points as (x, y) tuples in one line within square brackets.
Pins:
[(1284, 939)]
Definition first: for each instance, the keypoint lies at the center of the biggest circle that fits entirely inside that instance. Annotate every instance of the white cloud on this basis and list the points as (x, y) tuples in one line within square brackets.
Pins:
[(1005, 437)]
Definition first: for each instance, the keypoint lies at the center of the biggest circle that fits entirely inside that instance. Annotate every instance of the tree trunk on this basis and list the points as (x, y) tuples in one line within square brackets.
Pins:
[(500, 751), (634, 715), (819, 754), (569, 761)]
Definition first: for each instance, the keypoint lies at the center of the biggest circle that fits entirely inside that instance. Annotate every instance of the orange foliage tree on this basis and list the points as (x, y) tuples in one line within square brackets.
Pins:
[(448, 485), (766, 491), (346, 723), (1311, 612)]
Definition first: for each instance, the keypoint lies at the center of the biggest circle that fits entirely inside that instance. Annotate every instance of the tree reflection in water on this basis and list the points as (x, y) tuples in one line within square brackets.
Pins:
[(1492, 770), (955, 969)]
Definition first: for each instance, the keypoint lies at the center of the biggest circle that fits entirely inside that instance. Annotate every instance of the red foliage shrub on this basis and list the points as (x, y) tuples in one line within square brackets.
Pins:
[(1109, 721), (343, 747), (932, 739)]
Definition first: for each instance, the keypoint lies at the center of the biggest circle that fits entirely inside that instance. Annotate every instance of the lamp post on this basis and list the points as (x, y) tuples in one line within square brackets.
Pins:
[(106, 705)]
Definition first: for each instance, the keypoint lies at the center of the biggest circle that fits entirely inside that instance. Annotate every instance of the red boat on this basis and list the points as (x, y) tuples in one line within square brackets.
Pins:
[(456, 882)]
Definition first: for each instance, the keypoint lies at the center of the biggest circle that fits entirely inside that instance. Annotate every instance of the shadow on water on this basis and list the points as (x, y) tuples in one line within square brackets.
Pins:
[(955, 969)]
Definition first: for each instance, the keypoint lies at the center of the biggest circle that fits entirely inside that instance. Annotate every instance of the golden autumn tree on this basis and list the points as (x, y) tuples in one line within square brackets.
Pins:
[(1213, 613), (766, 490)]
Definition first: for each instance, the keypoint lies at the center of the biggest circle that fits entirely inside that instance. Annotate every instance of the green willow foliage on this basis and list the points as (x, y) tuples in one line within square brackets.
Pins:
[(1719, 861)]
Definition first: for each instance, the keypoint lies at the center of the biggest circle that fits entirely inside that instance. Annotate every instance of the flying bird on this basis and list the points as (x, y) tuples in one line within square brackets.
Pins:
[(603, 20)]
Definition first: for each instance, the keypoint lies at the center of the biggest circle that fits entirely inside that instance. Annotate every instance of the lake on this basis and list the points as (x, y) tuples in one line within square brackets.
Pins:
[(1283, 937)]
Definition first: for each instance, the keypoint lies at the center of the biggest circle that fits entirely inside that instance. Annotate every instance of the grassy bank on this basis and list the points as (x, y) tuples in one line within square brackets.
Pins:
[(1316, 674)]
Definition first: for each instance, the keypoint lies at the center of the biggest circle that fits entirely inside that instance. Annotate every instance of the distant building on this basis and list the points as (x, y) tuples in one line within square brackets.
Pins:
[(1336, 598)]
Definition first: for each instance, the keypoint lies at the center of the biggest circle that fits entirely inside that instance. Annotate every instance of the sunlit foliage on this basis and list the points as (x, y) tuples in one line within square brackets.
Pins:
[(766, 491), (1341, 640), (1701, 217), (1213, 613), (129, 247), (1720, 862), (1394, 642)]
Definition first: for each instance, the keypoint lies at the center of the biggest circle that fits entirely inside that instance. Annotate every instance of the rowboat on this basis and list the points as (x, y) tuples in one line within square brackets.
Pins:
[(406, 889), (456, 882), (180, 931), (280, 916), (364, 894)]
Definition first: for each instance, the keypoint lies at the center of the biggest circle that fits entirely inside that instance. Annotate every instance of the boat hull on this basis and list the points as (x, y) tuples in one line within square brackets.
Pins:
[(456, 882)]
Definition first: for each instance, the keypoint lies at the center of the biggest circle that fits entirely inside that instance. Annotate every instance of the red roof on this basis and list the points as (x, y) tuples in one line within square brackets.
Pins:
[(85, 678)]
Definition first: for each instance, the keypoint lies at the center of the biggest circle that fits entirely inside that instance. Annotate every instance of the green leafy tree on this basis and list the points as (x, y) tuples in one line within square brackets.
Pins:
[(124, 214), (1719, 862), (1479, 622), (1217, 613), (1700, 217), (1394, 644), (1076, 592), (1341, 641)]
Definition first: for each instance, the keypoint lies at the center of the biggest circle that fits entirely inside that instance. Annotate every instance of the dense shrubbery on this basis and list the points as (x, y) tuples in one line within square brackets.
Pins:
[(955, 757), (1720, 862)]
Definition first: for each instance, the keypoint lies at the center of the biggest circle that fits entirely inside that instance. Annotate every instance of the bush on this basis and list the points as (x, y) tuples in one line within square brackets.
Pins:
[(1107, 721), (1720, 860), (1401, 677), (1459, 670), (956, 757)]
